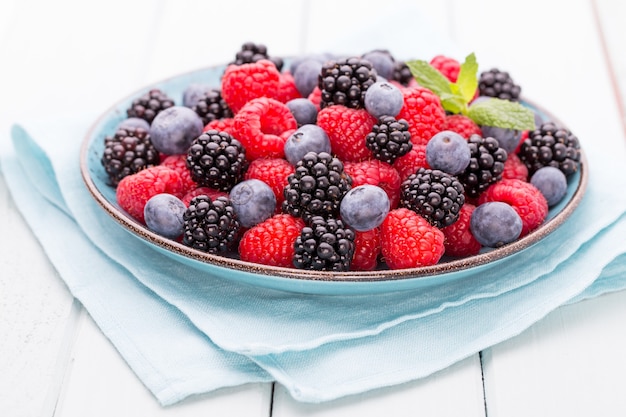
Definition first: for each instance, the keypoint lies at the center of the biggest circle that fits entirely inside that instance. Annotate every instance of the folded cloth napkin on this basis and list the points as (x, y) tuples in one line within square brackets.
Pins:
[(213, 332)]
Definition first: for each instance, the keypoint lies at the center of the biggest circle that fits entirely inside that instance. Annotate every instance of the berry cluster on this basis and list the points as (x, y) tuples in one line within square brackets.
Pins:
[(335, 163)]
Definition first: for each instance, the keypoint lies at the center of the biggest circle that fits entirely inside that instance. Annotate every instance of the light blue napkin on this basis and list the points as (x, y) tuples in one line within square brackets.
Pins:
[(318, 347)]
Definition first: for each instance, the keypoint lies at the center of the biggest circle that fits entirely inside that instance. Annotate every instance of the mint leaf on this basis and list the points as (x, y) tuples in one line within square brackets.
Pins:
[(467, 80), (429, 77), (502, 113), (453, 103)]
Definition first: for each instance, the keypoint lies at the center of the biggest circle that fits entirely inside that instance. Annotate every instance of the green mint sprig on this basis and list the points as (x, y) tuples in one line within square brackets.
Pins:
[(456, 97)]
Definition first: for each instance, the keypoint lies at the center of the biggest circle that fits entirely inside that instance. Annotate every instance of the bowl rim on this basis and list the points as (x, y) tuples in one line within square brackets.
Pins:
[(378, 275)]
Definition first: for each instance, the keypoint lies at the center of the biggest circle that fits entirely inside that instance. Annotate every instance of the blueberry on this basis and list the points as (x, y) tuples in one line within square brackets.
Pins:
[(364, 207), (134, 123), (448, 151), (303, 110), (306, 76), (193, 93), (382, 63), (552, 183), (163, 214), (495, 223), (383, 99), (508, 139), (174, 128), (253, 201), (307, 138)]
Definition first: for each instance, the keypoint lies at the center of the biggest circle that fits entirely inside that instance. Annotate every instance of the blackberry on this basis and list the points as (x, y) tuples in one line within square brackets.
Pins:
[(435, 195), (402, 73), (550, 145), (345, 81), (499, 84), (253, 52), (128, 151), (210, 225), (325, 244), (389, 139), (486, 165), (211, 106), (149, 105), (316, 187), (217, 160)]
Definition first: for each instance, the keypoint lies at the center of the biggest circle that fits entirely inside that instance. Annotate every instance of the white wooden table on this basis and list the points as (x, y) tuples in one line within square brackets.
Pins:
[(64, 56)]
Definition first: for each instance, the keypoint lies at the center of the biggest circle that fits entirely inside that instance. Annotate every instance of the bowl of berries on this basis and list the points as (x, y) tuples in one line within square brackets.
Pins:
[(335, 174)]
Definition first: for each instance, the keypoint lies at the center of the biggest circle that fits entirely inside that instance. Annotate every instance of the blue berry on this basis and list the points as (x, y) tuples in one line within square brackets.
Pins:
[(383, 99), (134, 123), (382, 62), (364, 207), (193, 93), (508, 139), (449, 152), (306, 76), (552, 183), (303, 110), (253, 201), (307, 138), (495, 223), (163, 214), (174, 128)]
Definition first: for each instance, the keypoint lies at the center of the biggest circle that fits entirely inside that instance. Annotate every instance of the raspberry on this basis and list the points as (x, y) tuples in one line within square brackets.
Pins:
[(462, 125), (242, 83), (316, 97), (422, 109), (409, 164), (409, 241), (263, 126), (274, 172), (459, 240), (375, 172), (449, 67), (271, 242), (347, 129), (212, 193), (287, 89), (366, 250), (223, 125), (515, 168), (179, 164), (524, 197), (134, 191)]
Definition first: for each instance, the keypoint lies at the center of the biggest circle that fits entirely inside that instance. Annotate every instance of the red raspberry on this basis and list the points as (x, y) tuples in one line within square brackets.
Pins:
[(522, 139), (134, 191), (263, 126), (422, 109), (376, 172), (515, 168), (524, 197), (460, 241), (242, 83), (409, 163), (179, 164), (409, 241), (316, 97), (462, 125), (449, 67), (347, 129), (366, 250), (212, 193), (271, 242), (273, 172), (222, 125), (287, 89)]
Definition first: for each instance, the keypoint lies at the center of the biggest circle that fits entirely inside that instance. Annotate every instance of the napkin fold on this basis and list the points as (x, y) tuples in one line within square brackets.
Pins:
[(212, 332)]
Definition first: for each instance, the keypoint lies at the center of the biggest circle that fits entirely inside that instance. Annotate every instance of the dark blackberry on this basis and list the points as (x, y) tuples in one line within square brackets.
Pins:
[(485, 167), (253, 52), (435, 195), (316, 187), (211, 106), (128, 151), (325, 244), (499, 84), (550, 145), (345, 82), (210, 225), (216, 160), (389, 139), (402, 73), (149, 105)]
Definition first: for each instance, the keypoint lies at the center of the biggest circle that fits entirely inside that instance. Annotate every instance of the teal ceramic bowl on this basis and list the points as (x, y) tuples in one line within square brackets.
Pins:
[(289, 279)]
